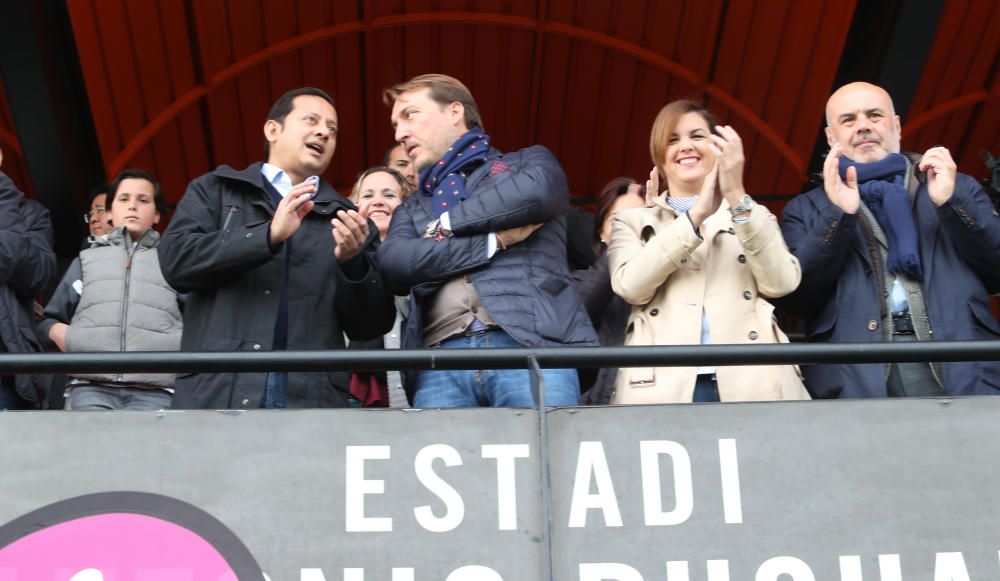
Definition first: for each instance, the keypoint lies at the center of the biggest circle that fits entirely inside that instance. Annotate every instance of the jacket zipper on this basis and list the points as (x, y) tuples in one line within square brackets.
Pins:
[(229, 216), (129, 251)]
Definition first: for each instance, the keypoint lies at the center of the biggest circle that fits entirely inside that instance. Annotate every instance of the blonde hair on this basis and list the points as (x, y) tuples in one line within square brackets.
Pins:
[(664, 125), (404, 186), (444, 90)]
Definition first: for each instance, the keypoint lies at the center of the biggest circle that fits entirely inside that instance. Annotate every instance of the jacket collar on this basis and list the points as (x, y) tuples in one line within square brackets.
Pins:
[(326, 199), (718, 222), (117, 237)]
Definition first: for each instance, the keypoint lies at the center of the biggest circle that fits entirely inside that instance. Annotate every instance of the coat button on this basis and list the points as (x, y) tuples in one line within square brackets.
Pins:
[(747, 295), (249, 234), (256, 346), (873, 325), (732, 231), (654, 312), (245, 402), (742, 258), (753, 335), (684, 261), (267, 291)]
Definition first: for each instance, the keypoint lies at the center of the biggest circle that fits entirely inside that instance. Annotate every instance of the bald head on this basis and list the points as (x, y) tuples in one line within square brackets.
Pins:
[(861, 118)]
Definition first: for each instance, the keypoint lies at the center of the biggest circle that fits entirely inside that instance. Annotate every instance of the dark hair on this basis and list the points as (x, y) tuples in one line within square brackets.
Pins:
[(98, 191), (611, 192), (285, 103), (664, 125), (136, 174), (444, 90), (388, 152)]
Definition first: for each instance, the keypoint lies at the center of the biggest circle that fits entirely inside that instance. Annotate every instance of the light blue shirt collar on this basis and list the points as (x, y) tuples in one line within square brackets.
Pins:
[(277, 178)]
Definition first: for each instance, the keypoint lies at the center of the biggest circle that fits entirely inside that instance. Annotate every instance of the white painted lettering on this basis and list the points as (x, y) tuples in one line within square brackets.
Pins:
[(592, 463), (652, 497), (454, 506), (608, 572), (773, 569), (356, 488), (88, 575), (950, 567), (889, 568), (732, 500), (505, 455), (716, 569), (474, 573)]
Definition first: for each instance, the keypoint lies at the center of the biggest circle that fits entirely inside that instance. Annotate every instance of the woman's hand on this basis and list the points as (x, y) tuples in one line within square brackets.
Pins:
[(653, 185), (709, 199), (728, 149)]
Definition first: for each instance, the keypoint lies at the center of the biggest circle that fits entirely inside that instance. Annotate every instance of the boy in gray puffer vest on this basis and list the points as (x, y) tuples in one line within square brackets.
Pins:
[(114, 298)]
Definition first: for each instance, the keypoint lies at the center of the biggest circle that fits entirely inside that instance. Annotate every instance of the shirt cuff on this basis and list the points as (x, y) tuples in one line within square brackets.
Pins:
[(491, 243), (445, 221)]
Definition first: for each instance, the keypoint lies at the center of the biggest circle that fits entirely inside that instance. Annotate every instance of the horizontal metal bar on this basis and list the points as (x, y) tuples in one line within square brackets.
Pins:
[(552, 357)]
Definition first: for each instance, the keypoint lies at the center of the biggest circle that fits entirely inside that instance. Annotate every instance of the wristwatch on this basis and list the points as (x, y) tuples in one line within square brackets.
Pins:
[(746, 204)]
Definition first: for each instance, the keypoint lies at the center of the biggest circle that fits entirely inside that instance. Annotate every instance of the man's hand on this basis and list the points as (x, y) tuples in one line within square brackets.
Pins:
[(941, 171), (709, 198), (728, 149), (847, 197), (57, 333), (511, 236), (350, 231), (292, 208)]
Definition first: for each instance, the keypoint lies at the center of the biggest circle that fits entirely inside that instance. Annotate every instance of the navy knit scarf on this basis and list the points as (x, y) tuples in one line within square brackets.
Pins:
[(881, 184), (443, 180)]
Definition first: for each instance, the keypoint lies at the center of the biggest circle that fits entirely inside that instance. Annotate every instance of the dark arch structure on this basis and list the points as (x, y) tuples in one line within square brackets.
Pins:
[(179, 87)]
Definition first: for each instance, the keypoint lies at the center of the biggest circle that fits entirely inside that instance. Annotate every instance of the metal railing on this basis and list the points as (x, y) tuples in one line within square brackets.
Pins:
[(549, 358)]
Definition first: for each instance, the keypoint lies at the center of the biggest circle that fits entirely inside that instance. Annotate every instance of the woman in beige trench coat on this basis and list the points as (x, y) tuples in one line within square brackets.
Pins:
[(696, 264)]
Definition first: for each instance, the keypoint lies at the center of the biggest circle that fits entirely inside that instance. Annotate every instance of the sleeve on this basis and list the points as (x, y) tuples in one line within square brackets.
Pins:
[(200, 248), (638, 268), (594, 286), (62, 306), (973, 226), (532, 191), (27, 260), (775, 270), (365, 308), (819, 236), (407, 259)]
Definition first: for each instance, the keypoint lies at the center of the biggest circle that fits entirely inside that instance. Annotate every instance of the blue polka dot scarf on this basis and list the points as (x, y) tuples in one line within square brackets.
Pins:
[(444, 181)]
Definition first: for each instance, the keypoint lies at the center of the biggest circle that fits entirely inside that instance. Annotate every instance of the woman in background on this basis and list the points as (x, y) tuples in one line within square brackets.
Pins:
[(377, 193), (696, 264)]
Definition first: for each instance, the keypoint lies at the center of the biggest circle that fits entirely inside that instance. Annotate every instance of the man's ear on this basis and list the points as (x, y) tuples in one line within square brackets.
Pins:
[(456, 113), (829, 135), (271, 130), (899, 127), (156, 218)]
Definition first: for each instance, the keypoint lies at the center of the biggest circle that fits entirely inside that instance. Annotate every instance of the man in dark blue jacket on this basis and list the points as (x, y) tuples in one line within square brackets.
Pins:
[(481, 246), (27, 266), (894, 248)]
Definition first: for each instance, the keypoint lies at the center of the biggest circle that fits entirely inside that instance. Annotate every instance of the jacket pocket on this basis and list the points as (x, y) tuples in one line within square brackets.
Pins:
[(639, 333)]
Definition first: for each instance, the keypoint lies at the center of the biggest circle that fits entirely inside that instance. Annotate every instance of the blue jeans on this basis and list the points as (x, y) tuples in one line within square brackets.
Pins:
[(99, 398), (485, 387)]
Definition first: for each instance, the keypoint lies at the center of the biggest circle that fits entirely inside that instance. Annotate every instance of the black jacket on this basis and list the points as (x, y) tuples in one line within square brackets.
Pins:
[(27, 268), (216, 249)]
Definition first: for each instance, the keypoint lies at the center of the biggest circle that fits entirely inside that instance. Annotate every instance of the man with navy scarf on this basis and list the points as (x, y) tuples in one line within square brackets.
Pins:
[(893, 247), (481, 249)]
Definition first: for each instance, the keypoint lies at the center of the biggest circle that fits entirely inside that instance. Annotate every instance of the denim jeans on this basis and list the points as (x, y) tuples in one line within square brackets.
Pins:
[(275, 390), (100, 398), (483, 387)]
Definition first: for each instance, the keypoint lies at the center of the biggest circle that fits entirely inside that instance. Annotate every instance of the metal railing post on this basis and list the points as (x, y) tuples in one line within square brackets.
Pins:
[(538, 392)]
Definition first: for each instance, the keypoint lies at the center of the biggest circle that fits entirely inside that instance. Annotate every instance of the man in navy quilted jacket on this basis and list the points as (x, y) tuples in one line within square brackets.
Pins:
[(481, 248)]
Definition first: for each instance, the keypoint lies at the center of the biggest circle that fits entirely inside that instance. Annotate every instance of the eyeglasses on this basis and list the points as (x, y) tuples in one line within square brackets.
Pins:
[(98, 212)]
